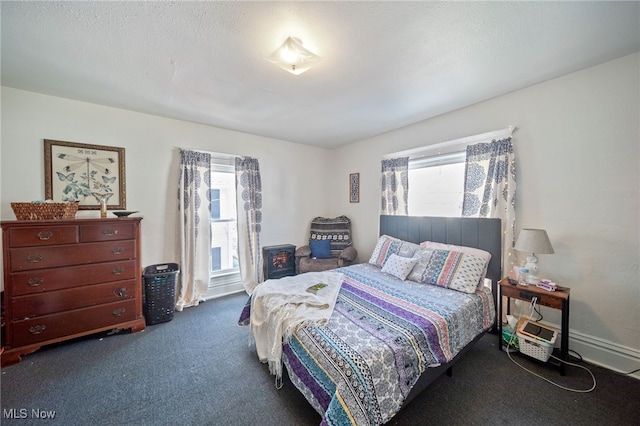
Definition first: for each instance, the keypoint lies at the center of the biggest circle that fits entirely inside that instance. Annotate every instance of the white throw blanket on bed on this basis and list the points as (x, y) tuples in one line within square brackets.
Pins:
[(279, 306)]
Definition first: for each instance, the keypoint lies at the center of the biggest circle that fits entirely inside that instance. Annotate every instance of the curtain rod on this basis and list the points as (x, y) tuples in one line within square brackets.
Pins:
[(213, 153), (423, 151)]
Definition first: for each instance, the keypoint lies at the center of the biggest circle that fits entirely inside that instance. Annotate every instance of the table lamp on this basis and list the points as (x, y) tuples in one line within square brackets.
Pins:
[(533, 241)]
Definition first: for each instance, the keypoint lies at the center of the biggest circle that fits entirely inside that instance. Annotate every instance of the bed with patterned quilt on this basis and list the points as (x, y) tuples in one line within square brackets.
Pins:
[(390, 326)]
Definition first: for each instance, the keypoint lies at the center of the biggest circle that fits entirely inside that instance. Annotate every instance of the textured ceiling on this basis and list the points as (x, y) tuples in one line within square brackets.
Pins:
[(385, 64)]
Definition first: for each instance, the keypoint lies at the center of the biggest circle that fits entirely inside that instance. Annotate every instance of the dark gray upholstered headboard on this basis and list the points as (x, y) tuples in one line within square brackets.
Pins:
[(482, 233)]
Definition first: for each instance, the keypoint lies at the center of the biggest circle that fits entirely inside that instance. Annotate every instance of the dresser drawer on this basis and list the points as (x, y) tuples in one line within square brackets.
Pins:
[(107, 231), (40, 329), (528, 293), (43, 235), (42, 280), (33, 305), (29, 258)]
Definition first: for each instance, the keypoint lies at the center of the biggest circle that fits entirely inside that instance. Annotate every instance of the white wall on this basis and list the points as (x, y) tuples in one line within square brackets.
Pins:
[(576, 144), (292, 196)]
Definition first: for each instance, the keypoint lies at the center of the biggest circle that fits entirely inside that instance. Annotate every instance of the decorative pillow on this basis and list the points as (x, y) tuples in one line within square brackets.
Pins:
[(463, 249), (382, 250), (423, 257), (386, 246), (449, 269), (399, 266), (320, 249), (406, 249)]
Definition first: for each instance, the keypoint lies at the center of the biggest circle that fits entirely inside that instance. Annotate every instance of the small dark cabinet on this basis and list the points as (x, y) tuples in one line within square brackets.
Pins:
[(279, 261)]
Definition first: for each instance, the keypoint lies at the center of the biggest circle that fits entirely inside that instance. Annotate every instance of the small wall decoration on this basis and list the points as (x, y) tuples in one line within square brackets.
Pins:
[(84, 173), (354, 187)]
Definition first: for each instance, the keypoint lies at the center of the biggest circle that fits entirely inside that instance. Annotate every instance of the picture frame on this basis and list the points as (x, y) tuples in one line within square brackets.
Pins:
[(354, 187), (84, 173)]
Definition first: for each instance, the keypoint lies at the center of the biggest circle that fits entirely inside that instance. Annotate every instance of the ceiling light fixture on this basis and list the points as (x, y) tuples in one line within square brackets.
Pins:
[(293, 57)]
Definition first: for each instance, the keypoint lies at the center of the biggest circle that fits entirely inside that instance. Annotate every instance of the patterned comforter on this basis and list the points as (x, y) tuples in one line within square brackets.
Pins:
[(383, 333)]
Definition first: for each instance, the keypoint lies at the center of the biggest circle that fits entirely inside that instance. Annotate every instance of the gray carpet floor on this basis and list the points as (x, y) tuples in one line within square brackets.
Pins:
[(198, 369)]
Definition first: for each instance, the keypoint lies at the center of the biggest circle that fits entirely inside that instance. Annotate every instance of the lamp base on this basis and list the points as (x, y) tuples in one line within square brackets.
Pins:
[(533, 279), (532, 266)]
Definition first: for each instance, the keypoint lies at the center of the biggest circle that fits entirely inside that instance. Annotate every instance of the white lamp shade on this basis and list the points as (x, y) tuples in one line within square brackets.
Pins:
[(293, 57), (534, 241)]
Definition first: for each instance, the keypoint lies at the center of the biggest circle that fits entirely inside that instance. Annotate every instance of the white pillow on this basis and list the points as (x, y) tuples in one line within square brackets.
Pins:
[(399, 266)]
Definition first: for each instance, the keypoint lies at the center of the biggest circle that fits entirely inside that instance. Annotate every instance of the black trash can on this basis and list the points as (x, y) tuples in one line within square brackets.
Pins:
[(159, 296)]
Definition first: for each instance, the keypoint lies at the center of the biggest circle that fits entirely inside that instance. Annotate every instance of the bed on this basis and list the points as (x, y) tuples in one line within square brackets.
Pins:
[(390, 335)]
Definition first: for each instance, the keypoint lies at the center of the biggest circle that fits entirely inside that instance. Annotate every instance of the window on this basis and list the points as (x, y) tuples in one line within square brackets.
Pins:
[(224, 235), (437, 173), (436, 185), (216, 258), (215, 204)]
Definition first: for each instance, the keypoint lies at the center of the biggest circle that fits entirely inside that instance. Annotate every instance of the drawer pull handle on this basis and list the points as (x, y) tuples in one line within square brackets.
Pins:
[(37, 329), (118, 270), (34, 258), (121, 292), (117, 250), (109, 231), (45, 235), (35, 281), (119, 312)]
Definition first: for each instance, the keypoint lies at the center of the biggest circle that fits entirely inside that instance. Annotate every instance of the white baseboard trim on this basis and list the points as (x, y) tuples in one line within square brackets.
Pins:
[(224, 290), (604, 353)]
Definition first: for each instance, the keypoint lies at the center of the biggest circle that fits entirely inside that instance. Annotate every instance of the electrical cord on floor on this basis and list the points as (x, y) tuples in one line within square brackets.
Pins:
[(512, 340), (576, 355)]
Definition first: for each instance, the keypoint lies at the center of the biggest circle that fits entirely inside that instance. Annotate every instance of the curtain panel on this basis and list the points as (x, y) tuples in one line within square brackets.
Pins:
[(490, 189), (395, 186), (249, 196), (194, 195)]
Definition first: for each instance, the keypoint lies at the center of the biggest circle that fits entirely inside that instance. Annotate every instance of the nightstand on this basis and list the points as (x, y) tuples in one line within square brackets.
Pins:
[(558, 299), (279, 261)]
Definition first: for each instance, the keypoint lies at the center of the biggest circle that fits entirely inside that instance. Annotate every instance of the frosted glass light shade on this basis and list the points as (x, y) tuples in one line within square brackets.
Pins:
[(293, 57)]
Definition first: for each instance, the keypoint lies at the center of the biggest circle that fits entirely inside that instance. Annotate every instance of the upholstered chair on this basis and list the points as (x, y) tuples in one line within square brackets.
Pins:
[(329, 245)]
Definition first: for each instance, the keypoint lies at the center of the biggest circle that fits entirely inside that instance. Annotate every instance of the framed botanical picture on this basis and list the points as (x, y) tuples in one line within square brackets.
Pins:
[(84, 173), (354, 187)]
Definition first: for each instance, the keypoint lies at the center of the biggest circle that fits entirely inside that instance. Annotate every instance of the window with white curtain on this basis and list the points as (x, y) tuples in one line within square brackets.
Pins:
[(224, 233), (437, 173), (436, 185)]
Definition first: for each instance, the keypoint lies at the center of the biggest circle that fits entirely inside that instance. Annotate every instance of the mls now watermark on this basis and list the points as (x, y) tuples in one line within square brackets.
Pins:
[(23, 413)]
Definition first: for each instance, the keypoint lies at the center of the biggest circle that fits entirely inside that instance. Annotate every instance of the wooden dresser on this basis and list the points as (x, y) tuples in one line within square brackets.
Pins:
[(69, 278)]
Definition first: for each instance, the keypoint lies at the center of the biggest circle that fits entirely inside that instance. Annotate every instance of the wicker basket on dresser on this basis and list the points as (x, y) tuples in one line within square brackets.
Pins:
[(69, 278)]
